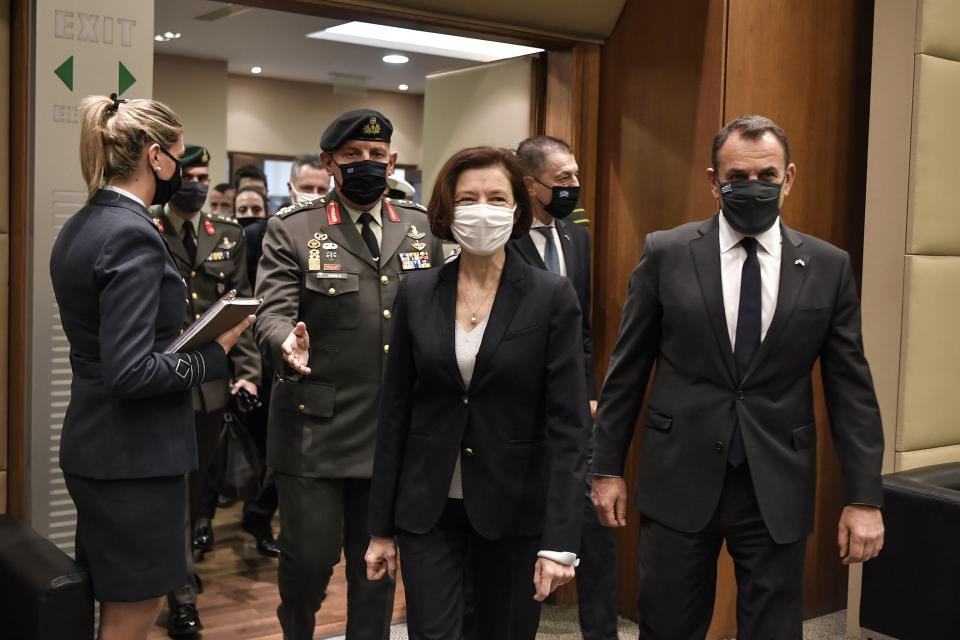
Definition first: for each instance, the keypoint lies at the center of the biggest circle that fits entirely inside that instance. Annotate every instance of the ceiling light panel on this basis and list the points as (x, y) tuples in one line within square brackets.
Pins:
[(437, 44)]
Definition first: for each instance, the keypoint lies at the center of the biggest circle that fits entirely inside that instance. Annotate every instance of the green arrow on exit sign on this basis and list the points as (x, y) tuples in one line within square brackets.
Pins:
[(126, 79), (65, 72)]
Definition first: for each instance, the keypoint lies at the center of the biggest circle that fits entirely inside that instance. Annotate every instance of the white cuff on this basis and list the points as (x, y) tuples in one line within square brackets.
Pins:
[(560, 557)]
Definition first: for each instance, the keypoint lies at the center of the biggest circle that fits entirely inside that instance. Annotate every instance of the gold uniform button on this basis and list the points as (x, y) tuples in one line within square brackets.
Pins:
[(386, 348), (194, 295), (193, 274), (196, 317), (387, 314), (331, 291), (469, 452), (301, 408), (466, 400), (221, 274), (384, 279)]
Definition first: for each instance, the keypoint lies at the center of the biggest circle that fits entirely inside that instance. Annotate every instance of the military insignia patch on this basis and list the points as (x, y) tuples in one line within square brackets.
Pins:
[(322, 237), (313, 243), (226, 243), (391, 212), (333, 213), (410, 260), (419, 246), (414, 233), (334, 266), (208, 227), (159, 223), (372, 128)]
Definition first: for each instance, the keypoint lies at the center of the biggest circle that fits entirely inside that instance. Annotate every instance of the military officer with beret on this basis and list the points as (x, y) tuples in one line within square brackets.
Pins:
[(328, 276), (210, 253)]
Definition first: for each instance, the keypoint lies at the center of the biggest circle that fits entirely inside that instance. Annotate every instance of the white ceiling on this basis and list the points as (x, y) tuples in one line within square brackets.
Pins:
[(277, 42)]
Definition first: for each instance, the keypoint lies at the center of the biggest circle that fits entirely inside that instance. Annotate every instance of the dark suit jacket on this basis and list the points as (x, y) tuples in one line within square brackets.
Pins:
[(520, 426), (575, 243), (121, 302), (674, 316)]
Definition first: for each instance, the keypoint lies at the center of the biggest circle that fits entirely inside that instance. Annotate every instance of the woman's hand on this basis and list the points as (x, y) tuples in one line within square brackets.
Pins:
[(381, 558), (547, 576), (296, 349), (229, 337)]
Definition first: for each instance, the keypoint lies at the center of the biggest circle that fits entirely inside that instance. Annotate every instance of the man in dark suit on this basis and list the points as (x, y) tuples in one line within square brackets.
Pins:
[(328, 276), (557, 244), (735, 311)]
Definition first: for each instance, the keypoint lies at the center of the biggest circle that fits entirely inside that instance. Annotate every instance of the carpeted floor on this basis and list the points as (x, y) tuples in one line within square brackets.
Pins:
[(560, 623)]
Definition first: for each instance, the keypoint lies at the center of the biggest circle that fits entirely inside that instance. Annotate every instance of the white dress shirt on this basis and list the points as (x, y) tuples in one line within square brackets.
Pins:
[(732, 257), (124, 192), (540, 242), (376, 226)]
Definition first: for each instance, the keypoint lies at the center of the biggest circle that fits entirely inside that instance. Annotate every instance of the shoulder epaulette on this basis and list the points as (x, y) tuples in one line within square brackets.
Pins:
[(293, 208), (408, 204), (216, 217)]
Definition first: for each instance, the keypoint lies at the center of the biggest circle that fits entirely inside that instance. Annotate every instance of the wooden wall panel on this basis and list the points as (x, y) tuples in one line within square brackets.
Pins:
[(660, 105), (806, 64)]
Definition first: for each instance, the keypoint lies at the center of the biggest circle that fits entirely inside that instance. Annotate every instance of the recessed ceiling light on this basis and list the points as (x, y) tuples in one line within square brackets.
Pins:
[(403, 87), (255, 70), (166, 37), (168, 34), (437, 44), (159, 38), (394, 58)]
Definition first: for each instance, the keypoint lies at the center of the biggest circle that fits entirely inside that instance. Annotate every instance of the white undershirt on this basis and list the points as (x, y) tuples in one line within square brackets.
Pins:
[(124, 192), (540, 242), (732, 257), (467, 345)]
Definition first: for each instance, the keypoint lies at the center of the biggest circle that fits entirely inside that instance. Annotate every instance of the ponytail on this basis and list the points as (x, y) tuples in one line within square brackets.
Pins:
[(113, 135)]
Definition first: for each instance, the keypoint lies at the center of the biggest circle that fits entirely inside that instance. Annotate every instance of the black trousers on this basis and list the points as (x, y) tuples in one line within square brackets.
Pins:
[(319, 517), (678, 572), (597, 578), (434, 563)]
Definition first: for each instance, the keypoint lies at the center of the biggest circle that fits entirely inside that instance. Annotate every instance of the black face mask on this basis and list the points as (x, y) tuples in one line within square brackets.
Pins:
[(165, 188), (364, 182), (190, 197), (246, 222), (750, 206), (562, 201)]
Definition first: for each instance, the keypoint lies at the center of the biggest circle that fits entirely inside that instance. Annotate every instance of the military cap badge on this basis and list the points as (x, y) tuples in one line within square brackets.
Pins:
[(372, 128)]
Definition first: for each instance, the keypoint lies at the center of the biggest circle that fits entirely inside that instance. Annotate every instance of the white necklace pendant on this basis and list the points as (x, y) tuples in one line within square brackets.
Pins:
[(473, 318)]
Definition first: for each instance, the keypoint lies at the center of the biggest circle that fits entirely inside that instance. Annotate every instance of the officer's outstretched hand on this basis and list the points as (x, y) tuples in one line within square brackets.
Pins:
[(381, 558), (296, 349), (229, 337)]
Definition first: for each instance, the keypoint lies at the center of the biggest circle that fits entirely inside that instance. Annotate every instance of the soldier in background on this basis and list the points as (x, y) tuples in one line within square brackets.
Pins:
[(221, 199), (210, 253), (328, 276)]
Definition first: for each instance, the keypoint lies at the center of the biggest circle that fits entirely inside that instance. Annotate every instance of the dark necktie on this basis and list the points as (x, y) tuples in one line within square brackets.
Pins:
[(369, 238), (748, 333), (550, 256), (190, 241)]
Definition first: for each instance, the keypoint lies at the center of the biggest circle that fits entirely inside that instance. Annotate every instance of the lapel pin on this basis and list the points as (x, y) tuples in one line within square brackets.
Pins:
[(800, 262)]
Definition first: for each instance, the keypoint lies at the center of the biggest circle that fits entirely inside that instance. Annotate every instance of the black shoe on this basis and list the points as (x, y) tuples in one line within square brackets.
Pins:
[(202, 536), (224, 502), (266, 544), (184, 621)]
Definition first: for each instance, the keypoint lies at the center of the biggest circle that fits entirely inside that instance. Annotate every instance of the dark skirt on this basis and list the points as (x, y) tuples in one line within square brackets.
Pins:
[(130, 535)]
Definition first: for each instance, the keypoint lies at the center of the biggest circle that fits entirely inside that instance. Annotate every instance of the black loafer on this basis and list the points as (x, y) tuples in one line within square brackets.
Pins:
[(268, 547), (202, 535), (224, 502), (184, 621)]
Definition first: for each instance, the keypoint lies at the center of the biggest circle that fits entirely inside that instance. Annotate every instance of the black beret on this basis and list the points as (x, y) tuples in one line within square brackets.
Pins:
[(195, 156), (360, 124)]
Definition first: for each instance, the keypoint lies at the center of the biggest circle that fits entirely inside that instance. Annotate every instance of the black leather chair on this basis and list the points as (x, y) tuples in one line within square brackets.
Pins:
[(911, 591), (44, 595)]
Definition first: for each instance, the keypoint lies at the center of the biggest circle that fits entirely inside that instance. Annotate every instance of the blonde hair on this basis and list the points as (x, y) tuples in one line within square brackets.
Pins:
[(113, 135)]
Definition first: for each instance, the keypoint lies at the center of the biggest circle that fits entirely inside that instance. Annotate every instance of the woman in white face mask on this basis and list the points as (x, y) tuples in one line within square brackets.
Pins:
[(480, 450)]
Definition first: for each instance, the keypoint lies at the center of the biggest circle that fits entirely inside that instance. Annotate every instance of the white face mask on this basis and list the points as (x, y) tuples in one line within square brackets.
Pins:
[(300, 197), (482, 229)]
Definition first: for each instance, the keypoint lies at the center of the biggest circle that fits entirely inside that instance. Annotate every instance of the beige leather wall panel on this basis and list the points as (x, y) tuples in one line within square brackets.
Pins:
[(926, 457), (930, 360), (933, 217), (938, 29)]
